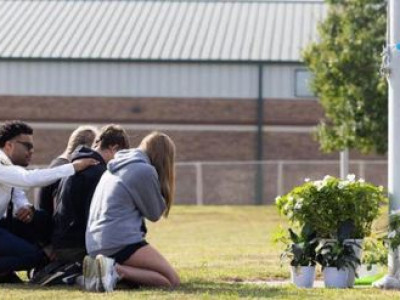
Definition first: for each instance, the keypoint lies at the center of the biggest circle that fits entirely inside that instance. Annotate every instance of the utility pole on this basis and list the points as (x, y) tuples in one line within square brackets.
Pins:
[(259, 175), (392, 280)]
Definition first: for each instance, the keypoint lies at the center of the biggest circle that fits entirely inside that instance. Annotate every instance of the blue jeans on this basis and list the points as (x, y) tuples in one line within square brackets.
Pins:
[(18, 244)]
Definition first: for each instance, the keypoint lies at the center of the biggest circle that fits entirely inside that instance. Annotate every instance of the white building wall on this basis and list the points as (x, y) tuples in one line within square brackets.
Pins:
[(144, 79), (279, 81)]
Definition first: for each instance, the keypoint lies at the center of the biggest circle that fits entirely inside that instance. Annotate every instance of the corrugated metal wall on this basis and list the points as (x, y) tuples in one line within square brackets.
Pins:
[(144, 79)]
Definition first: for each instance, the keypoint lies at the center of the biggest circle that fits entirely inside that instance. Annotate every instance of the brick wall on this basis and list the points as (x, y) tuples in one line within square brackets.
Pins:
[(158, 110), (222, 185), (201, 146)]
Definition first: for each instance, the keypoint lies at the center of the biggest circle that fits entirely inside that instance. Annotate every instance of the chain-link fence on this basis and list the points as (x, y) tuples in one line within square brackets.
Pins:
[(234, 182)]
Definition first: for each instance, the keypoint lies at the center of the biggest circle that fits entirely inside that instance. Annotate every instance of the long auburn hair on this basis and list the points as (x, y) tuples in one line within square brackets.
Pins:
[(160, 149)]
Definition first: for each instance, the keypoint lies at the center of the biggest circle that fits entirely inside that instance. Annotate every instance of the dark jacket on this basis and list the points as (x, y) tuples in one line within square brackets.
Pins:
[(73, 202), (48, 193)]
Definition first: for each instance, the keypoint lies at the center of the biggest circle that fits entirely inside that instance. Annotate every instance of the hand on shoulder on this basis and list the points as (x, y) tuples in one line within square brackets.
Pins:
[(83, 163)]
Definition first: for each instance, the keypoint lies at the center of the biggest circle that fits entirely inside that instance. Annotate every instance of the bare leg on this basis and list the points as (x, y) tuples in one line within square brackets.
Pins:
[(148, 267), (142, 276)]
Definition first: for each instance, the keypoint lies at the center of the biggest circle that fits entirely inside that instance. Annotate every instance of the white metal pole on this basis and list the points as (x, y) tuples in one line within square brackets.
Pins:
[(344, 163), (392, 279), (394, 106), (280, 178)]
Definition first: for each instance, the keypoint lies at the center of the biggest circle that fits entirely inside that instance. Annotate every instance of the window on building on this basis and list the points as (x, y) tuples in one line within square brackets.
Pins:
[(302, 84)]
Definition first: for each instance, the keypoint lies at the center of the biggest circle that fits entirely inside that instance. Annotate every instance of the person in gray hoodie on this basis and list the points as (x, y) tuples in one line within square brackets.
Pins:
[(138, 184)]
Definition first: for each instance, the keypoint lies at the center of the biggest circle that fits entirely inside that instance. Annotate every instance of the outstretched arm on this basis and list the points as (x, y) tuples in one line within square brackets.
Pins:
[(16, 176)]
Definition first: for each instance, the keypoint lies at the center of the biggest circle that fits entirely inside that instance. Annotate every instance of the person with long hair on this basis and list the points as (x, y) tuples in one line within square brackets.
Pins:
[(82, 136), (71, 211), (139, 184)]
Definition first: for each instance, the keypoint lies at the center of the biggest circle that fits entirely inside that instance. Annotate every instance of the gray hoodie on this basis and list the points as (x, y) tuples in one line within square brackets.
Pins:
[(127, 192)]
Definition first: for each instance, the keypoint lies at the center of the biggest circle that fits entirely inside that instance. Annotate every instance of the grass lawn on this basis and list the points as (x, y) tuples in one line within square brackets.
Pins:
[(220, 252)]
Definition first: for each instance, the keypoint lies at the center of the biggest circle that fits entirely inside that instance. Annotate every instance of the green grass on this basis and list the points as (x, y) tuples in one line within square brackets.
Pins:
[(222, 252)]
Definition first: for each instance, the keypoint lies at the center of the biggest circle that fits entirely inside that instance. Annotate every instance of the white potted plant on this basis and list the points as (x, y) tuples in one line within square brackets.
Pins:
[(301, 250), (338, 257), (327, 203)]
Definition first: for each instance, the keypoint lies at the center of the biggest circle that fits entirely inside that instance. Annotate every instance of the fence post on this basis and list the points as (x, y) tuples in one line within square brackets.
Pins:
[(361, 169), (344, 163), (279, 177), (199, 183)]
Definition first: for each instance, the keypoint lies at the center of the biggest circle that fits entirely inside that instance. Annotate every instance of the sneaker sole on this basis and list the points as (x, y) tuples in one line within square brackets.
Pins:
[(100, 268), (95, 276)]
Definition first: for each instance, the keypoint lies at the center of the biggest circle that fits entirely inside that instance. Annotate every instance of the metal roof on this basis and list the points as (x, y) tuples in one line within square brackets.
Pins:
[(158, 30)]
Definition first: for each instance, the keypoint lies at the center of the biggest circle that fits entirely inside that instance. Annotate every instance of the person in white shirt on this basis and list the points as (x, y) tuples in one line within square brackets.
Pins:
[(20, 224)]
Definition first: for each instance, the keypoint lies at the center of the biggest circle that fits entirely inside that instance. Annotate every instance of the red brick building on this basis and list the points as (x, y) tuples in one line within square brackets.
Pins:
[(197, 70)]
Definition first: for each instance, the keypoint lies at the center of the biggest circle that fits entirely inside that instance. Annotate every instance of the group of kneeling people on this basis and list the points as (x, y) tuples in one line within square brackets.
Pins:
[(88, 226)]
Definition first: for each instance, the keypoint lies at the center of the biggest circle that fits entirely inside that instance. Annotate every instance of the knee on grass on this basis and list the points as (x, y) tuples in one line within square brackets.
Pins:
[(174, 281)]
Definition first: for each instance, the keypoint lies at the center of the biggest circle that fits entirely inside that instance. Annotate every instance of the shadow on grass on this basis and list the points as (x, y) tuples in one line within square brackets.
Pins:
[(33, 287), (239, 290), (194, 290)]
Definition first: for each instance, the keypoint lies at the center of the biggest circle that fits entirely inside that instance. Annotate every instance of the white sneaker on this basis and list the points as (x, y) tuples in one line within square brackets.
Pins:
[(108, 274), (91, 275)]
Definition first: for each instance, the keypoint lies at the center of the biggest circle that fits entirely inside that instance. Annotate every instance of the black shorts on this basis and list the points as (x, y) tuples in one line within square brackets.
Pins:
[(126, 252)]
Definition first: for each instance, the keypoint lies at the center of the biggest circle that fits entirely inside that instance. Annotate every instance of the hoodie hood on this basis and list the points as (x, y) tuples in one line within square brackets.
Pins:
[(86, 152), (127, 157)]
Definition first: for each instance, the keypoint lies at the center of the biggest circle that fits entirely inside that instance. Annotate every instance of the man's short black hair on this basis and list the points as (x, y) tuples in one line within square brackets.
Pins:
[(11, 129)]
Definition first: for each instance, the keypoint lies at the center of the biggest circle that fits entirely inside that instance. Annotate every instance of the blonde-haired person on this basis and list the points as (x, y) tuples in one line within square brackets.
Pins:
[(82, 136), (74, 194), (139, 184)]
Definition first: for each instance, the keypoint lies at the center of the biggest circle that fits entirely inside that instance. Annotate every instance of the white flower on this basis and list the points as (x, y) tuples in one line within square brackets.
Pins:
[(343, 184), (392, 234), (327, 177), (277, 199), (380, 188), (298, 205), (319, 184), (351, 177), (306, 179), (290, 199), (286, 207), (361, 180), (395, 212)]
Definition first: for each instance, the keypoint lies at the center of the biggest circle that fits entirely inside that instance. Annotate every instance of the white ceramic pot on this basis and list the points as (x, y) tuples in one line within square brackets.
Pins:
[(303, 276), (357, 250), (334, 278)]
